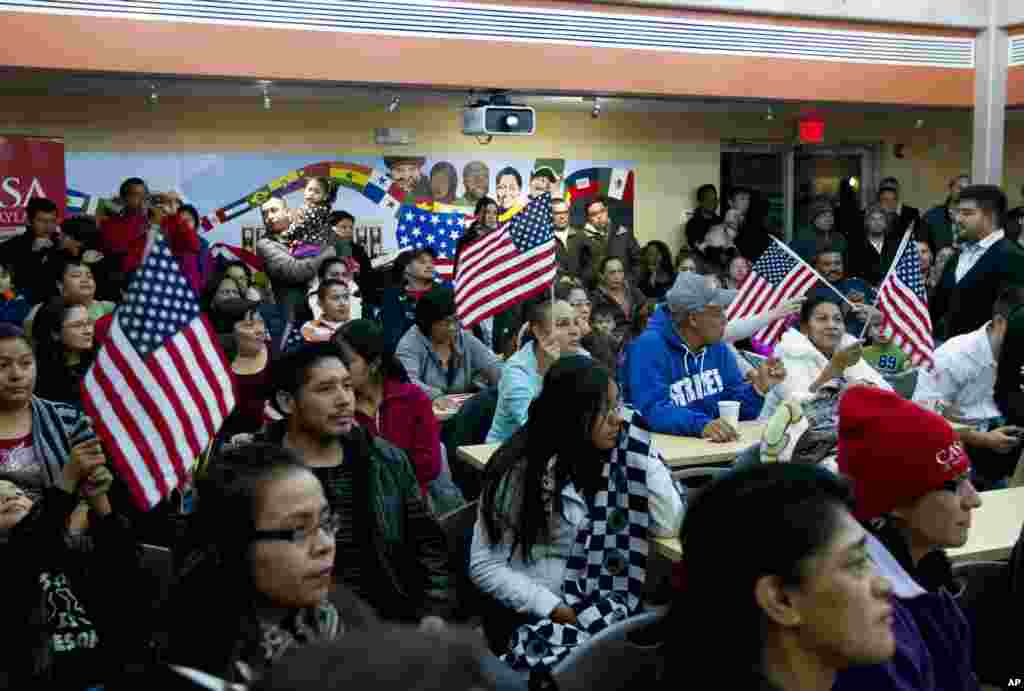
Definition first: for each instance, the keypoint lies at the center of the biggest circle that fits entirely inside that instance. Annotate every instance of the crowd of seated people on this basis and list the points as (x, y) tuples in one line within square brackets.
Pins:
[(321, 517)]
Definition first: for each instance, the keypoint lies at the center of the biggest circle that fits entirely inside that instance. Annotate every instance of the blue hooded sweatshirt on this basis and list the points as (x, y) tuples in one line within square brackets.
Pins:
[(677, 390)]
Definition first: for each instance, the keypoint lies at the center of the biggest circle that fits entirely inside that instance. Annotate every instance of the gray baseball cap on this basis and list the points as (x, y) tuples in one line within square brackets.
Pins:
[(693, 292)]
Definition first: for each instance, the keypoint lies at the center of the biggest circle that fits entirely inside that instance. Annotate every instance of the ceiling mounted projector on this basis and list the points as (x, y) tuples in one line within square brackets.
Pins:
[(498, 117)]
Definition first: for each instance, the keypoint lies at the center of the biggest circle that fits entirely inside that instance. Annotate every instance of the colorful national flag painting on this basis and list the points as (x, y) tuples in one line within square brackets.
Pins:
[(160, 388), (440, 232), (507, 266), (79, 203)]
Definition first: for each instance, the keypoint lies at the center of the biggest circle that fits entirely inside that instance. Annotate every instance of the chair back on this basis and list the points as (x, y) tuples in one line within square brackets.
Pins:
[(158, 562), (458, 527), (616, 658), (985, 598)]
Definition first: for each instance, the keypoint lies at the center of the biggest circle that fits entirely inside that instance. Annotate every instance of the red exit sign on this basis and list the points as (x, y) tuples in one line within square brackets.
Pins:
[(811, 130)]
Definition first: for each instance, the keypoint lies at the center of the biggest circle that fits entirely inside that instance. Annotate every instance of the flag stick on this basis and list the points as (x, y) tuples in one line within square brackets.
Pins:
[(812, 270)]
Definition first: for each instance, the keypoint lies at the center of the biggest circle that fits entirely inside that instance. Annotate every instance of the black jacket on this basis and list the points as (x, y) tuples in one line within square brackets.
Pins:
[(957, 308), (587, 249), (33, 270), (864, 261), (74, 605), (698, 226), (909, 215)]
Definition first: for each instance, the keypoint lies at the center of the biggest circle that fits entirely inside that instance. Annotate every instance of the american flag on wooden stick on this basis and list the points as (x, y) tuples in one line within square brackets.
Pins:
[(160, 386), (778, 275), (903, 302), (507, 266)]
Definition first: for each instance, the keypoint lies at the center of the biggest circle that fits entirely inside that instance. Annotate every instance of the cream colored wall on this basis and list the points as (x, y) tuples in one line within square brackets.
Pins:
[(674, 152)]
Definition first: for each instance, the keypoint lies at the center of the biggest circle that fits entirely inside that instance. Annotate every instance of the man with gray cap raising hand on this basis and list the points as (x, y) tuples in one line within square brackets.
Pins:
[(678, 370)]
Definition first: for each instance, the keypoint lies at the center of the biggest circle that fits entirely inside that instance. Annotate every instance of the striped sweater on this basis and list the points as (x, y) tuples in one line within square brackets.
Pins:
[(56, 428)]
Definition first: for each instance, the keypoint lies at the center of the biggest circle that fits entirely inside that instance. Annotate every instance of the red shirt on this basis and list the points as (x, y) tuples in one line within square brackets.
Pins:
[(125, 236), (406, 419)]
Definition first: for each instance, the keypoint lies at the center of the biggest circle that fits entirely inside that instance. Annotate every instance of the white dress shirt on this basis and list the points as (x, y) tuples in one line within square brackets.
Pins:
[(964, 374), (971, 252)]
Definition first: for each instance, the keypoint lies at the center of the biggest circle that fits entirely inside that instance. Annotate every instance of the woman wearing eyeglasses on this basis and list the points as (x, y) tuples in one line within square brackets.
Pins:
[(65, 348), (258, 580), (555, 494)]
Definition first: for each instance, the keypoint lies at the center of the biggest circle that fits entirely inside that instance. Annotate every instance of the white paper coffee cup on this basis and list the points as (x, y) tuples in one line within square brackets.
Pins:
[(730, 412)]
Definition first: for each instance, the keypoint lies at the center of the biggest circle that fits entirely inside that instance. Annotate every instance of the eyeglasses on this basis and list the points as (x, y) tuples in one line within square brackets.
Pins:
[(580, 303), (329, 523)]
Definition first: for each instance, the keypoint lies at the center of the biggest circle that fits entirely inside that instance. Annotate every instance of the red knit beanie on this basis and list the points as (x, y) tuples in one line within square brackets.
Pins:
[(894, 451)]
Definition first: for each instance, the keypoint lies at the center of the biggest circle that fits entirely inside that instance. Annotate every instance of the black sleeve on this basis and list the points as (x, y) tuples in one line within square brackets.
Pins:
[(1008, 394), (368, 289)]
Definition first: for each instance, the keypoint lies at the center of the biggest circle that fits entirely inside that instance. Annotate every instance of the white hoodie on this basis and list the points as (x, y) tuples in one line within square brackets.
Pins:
[(804, 363)]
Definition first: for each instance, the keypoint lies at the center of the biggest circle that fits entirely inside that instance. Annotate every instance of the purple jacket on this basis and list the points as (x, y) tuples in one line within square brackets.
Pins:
[(933, 641)]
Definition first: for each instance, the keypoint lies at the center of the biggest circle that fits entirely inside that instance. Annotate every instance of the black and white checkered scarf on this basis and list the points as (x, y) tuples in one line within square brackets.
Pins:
[(605, 573)]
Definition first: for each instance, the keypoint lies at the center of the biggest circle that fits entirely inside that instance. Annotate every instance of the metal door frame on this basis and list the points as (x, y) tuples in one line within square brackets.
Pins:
[(870, 153)]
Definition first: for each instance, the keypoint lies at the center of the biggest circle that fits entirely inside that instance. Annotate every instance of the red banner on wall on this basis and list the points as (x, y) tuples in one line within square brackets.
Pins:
[(30, 167)]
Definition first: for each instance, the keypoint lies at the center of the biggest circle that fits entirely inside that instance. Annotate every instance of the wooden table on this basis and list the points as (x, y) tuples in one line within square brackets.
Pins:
[(995, 527), (679, 452)]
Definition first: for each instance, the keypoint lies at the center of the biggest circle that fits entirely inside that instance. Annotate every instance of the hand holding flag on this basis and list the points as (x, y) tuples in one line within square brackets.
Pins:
[(159, 388), (777, 277)]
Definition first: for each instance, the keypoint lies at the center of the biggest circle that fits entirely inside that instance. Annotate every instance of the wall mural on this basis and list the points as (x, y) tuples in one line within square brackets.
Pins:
[(228, 189)]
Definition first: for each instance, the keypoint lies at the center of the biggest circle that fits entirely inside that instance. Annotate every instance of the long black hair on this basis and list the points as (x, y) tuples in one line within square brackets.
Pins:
[(215, 589), (765, 520), (560, 424), (52, 370)]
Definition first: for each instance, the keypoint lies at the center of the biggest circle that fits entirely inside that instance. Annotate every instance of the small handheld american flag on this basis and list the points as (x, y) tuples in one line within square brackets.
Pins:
[(160, 386), (777, 275), (508, 266), (903, 302)]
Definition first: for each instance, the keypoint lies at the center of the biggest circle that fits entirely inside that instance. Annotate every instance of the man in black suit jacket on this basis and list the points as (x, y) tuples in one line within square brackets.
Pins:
[(906, 216), (985, 264), (873, 250)]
